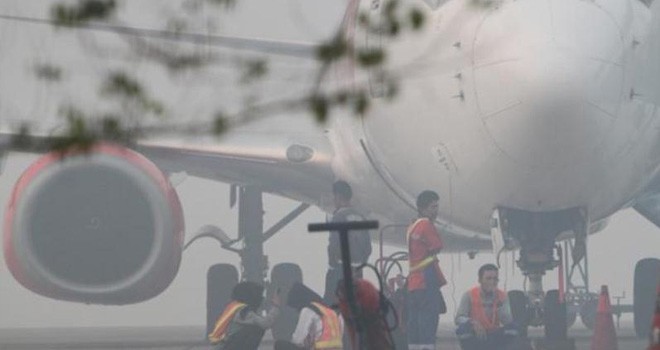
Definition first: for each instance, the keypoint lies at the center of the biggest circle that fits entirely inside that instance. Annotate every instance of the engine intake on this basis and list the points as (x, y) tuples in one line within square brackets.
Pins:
[(103, 226)]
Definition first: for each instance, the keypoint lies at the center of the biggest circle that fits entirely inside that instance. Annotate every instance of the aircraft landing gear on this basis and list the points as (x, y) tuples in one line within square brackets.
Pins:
[(536, 234), (647, 279), (222, 278)]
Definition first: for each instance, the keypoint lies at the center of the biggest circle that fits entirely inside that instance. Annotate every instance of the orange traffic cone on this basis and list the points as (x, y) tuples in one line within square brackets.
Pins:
[(655, 331), (604, 337)]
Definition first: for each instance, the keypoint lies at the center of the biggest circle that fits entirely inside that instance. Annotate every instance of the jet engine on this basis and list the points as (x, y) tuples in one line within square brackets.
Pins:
[(101, 226)]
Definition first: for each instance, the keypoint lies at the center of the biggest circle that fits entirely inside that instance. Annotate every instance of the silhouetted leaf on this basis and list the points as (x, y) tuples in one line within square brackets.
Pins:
[(360, 103), (220, 123), (22, 138), (84, 10), (416, 18), (319, 106), (111, 127), (253, 70), (371, 57), (332, 51), (119, 83)]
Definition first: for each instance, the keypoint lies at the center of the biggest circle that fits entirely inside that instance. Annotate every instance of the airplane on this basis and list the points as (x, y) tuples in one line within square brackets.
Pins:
[(535, 120)]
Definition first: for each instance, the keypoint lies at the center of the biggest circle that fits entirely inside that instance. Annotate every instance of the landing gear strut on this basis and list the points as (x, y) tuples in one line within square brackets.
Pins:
[(249, 246), (536, 234)]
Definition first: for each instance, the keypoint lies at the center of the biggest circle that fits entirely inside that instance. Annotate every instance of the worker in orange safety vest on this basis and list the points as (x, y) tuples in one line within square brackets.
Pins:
[(425, 300), (484, 317), (319, 327), (240, 326)]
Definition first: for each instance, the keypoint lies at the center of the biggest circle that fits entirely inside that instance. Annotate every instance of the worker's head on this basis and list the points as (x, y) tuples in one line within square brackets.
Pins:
[(342, 193), (300, 296), (488, 277), (249, 293), (427, 204)]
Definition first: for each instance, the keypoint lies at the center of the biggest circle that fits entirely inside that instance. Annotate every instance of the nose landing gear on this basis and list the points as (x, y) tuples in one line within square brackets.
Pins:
[(536, 233)]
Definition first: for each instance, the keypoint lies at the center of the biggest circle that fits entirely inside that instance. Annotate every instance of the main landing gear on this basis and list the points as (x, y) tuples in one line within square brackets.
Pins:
[(221, 278), (536, 234)]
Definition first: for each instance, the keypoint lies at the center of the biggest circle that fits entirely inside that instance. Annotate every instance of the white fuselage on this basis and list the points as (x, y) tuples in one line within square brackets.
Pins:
[(528, 104)]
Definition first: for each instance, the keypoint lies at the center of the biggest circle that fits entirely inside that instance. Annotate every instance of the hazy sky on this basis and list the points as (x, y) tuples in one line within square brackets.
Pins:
[(613, 251)]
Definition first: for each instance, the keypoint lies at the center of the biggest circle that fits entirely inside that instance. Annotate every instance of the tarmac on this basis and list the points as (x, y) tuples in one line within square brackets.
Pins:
[(192, 338)]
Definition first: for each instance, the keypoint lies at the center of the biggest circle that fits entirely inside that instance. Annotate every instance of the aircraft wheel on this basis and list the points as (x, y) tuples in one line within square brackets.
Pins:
[(518, 301), (647, 277), (554, 316), (588, 312), (571, 317), (283, 276), (220, 280)]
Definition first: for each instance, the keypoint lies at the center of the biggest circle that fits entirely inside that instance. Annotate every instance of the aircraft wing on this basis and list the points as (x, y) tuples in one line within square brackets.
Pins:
[(293, 165)]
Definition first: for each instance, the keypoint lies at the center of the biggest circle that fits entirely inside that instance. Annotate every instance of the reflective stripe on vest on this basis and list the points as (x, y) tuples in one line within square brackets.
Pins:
[(422, 264), (478, 313), (412, 228), (220, 329), (425, 262), (331, 333)]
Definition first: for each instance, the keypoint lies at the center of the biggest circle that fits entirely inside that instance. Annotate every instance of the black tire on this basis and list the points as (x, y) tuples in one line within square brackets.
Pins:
[(220, 280), (282, 277), (647, 277), (571, 317), (519, 301), (554, 317), (588, 313)]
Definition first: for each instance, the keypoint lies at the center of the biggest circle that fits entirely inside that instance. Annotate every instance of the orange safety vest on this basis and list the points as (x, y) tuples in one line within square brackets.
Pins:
[(478, 313), (221, 325), (331, 334), (418, 261)]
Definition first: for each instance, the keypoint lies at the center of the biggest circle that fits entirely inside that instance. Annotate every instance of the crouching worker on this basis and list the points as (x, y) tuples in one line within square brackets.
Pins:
[(319, 326), (484, 315), (373, 310), (240, 326)]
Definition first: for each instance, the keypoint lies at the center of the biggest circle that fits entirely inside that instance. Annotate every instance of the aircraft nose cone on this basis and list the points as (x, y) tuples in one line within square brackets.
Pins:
[(548, 80)]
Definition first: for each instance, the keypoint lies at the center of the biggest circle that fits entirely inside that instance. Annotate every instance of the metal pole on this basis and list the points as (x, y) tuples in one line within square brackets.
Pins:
[(250, 228), (342, 228)]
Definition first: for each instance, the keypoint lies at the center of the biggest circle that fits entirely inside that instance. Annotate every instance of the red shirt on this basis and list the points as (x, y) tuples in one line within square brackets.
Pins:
[(424, 242)]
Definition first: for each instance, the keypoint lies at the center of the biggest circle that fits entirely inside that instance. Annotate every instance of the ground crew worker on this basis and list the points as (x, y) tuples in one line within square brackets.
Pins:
[(319, 326), (425, 300), (655, 330), (372, 314), (240, 327), (484, 317), (359, 241)]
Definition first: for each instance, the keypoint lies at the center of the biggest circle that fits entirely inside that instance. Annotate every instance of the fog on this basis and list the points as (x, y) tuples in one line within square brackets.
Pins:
[(612, 252)]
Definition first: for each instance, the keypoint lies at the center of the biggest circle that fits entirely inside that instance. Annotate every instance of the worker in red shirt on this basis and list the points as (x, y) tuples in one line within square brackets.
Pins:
[(425, 300), (655, 330)]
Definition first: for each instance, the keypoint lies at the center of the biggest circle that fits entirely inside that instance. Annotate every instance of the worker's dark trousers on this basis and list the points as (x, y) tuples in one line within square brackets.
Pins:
[(499, 339), (423, 315)]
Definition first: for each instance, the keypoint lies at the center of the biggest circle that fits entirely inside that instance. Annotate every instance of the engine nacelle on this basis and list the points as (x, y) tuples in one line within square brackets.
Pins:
[(103, 227)]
